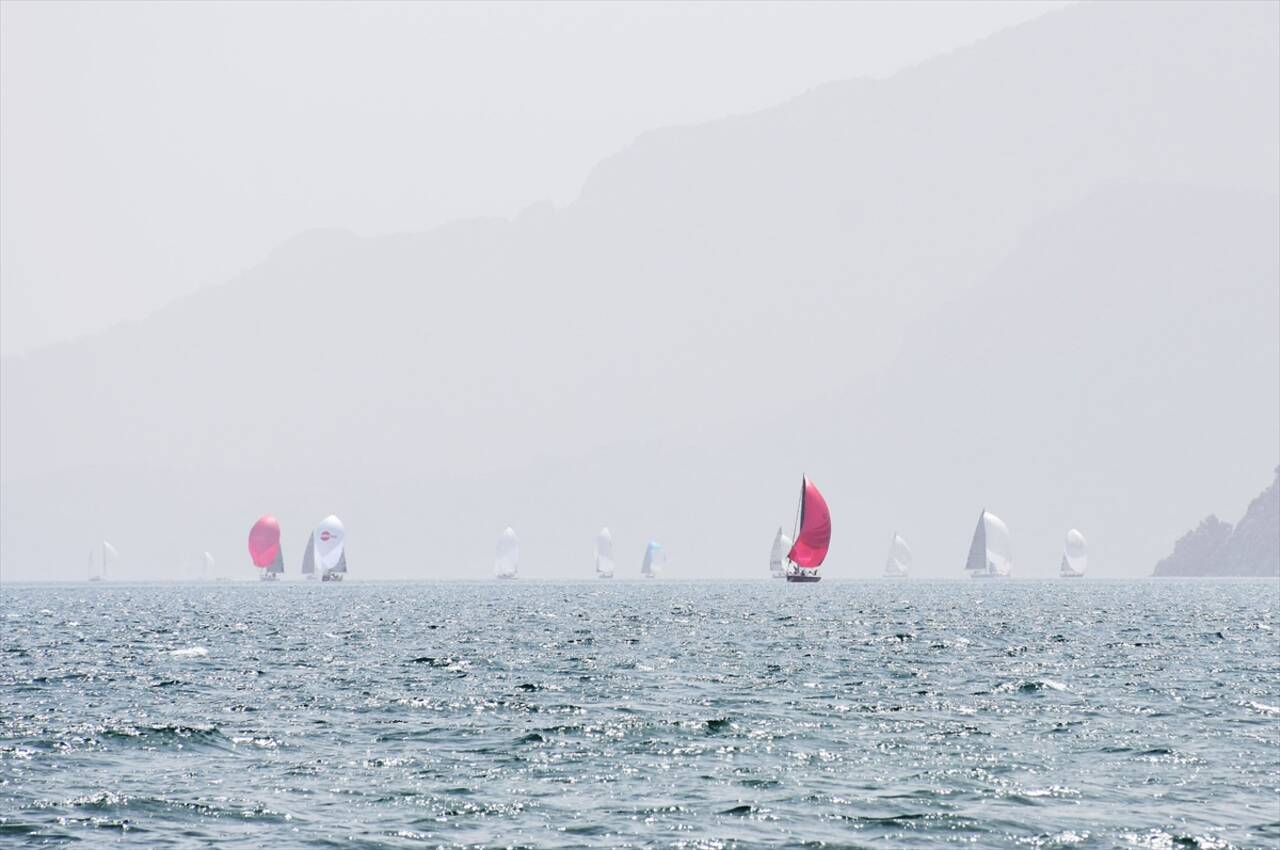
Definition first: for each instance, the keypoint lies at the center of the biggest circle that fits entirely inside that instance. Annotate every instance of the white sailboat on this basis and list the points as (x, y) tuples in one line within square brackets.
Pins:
[(1075, 555), (330, 548), (899, 561), (206, 567), (655, 559), (507, 561), (604, 554), (989, 554), (102, 558), (777, 555)]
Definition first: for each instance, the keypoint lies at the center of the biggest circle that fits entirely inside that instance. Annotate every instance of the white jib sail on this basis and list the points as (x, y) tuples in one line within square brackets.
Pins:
[(507, 560), (604, 553), (899, 561), (999, 552), (1075, 556), (778, 555)]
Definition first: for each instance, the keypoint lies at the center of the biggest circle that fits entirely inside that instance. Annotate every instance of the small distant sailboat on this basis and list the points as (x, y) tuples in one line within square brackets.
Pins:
[(507, 561), (331, 551), (604, 554), (989, 554), (781, 545), (899, 561), (813, 535), (655, 558), (264, 547), (101, 559), (1075, 556), (206, 567)]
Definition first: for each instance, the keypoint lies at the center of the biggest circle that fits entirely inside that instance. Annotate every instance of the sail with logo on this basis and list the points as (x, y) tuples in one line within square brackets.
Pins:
[(1075, 555), (331, 551), (813, 535), (604, 553), (777, 556), (507, 560), (655, 559), (990, 555), (264, 548), (899, 561), (102, 558)]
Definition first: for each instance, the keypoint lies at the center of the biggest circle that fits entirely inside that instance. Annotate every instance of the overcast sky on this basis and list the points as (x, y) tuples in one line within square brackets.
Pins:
[(173, 145)]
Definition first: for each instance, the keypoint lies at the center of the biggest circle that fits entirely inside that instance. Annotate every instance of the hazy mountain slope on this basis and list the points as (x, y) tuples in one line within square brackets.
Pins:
[(1214, 548), (719, 311)]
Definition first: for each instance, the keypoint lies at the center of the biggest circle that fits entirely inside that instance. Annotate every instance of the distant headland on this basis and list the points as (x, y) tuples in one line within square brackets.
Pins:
[(1214, 548)]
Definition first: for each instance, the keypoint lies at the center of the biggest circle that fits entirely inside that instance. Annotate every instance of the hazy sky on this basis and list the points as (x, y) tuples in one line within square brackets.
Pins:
[(175, 144)]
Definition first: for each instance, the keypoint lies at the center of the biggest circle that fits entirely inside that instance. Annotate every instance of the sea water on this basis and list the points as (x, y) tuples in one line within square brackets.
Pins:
[(626, 714)]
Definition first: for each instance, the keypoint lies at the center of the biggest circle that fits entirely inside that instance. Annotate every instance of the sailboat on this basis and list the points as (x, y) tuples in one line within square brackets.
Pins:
[(507, 561), (781, 545), (899, 560), (1075, 556), (101, 558), (655, 558), (989, 553), (206, 567), (330, 546), (604, 554), (264, 547), (813, 535)]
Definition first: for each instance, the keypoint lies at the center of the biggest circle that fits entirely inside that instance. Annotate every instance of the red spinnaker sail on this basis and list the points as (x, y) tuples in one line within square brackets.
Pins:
[(264, 541), (814, 537)]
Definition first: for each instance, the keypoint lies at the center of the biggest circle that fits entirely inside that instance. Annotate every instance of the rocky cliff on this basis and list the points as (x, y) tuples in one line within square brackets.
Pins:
[(1213, 548)]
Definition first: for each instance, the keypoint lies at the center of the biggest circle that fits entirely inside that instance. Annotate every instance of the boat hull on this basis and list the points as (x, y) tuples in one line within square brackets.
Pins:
[(801, 577), (506, 578), (331, 577)]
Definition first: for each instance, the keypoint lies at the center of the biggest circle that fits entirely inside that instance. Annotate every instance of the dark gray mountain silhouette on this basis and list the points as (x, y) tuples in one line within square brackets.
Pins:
[(1037, 274)]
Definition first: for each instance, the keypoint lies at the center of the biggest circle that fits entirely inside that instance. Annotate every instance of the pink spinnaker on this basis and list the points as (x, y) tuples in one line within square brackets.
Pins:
[(264, 541), (814, 536)]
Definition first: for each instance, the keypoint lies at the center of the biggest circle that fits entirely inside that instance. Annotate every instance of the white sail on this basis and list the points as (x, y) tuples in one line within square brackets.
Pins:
[(898, 563), (206, 567), (778, 555), (990, 555), (655, 558), (508, 558), (102, 561), (330, 546), (1075, 555), (604, 554)]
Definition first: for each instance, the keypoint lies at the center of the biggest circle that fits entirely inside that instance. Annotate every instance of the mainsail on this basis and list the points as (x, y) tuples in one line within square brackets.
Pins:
[(814, 535), (507, 560), (309, 557), (655, 558), (604, 554), (207, 567), (989, 554), (781, 545), (101, 559), (330, 546), (264, 546), (1075, 556), (899, 561)]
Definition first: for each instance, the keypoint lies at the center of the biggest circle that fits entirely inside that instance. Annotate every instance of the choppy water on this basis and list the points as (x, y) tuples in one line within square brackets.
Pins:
[(875, 714)]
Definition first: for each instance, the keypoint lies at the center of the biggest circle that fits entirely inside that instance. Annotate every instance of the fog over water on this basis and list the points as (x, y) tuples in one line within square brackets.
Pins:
[(443, 269)]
